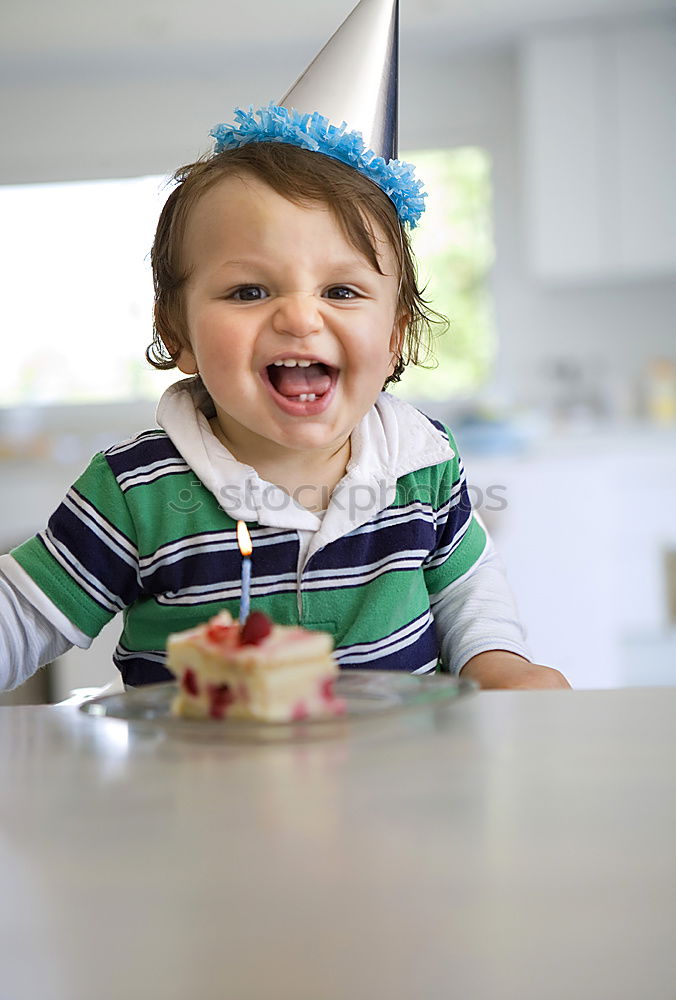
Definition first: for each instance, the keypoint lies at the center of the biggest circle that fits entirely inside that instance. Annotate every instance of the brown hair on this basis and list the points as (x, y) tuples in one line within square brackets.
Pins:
[(301, 176)]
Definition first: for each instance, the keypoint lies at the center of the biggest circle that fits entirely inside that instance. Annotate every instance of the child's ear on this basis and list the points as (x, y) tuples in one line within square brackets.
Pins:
[(183, 357), (186, 361), (181, 353), (397, 339)]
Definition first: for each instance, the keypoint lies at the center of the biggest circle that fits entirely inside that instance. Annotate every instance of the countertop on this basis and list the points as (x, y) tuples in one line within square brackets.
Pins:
[(510, 845)]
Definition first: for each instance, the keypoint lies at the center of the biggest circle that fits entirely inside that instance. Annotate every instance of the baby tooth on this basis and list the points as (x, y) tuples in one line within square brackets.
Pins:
[(304, 364), (289, 363), (311, 396), (278, 364), (303, 396)]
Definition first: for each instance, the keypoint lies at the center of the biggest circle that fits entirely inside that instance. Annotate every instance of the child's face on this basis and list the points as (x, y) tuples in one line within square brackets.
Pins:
[(274, 282)]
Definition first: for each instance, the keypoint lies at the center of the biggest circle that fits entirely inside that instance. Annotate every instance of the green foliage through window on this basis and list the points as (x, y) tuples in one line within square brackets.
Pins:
[(454, 247)]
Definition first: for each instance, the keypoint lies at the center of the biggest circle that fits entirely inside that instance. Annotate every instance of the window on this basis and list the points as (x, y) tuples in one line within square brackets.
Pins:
[(77, 300), (453, 244), (76, 309)]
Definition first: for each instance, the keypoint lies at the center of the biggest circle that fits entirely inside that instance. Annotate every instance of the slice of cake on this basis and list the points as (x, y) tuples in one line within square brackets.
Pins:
[(258, 670)]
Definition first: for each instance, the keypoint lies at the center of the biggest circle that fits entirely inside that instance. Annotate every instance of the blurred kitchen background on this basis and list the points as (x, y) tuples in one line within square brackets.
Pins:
[(546, 133)]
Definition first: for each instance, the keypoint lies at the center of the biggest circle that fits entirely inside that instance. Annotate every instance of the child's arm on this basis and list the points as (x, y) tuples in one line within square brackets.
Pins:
[(480, 633), (27, 639), (477, 613), (64, 584), (496, 668)]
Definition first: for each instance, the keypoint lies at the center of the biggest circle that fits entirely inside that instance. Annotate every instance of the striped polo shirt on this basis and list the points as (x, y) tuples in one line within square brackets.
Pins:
[(141, 533)]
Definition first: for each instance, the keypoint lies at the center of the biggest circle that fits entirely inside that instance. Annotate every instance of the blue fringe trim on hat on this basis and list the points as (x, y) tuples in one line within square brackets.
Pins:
[(313, 131)]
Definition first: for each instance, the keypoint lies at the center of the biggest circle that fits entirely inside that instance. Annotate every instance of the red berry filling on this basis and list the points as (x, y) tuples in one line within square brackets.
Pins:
[(337, 706), (220, 697), (299, 711), (256, 628), (217, 632), (326, 689), (189, 682)]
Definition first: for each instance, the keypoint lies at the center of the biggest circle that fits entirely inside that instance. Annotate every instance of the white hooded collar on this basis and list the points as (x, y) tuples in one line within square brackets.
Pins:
[(392, 440)]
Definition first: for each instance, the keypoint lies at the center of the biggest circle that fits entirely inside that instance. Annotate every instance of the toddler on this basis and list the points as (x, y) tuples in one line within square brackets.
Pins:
[(285, 291)]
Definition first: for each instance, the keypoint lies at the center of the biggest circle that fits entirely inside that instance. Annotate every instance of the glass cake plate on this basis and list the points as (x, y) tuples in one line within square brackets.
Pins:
[(369, 695)]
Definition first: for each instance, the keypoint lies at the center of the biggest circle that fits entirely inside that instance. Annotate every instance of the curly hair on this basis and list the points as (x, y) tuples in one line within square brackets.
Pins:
[(358, 205)]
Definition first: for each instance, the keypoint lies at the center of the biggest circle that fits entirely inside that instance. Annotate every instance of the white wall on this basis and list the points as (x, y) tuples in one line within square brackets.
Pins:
[(123, 117)]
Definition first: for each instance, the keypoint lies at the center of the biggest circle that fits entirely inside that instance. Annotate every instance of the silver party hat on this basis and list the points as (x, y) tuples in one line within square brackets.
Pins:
[(354, 78), (345, 105)]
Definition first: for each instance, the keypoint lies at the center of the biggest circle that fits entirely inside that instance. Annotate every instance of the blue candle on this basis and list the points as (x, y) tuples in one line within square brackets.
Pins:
[(244, 542), (246, 585)]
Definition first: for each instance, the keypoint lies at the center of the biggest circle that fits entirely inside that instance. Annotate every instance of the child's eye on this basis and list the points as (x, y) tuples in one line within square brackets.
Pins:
[(248, 293), (340, 292)]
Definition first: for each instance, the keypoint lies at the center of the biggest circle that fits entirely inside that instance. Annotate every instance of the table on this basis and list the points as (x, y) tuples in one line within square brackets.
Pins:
[(511, 845)]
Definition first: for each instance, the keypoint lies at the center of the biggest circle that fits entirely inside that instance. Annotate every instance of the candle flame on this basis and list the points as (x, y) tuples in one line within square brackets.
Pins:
[(243, 539)]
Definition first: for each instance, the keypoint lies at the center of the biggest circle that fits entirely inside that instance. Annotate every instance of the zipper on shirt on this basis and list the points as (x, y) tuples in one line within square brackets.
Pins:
[(300, 602), (300, 597)]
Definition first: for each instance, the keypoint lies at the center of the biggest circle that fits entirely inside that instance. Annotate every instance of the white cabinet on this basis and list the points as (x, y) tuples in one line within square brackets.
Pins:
[(583, 529), (646, 149), (599, 146)]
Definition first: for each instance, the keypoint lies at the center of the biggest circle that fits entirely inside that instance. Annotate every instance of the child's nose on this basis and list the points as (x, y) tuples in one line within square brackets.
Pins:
[(297, 315)]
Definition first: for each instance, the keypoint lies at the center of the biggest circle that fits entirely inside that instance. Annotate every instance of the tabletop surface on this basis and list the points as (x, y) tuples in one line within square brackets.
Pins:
[(510, 845)]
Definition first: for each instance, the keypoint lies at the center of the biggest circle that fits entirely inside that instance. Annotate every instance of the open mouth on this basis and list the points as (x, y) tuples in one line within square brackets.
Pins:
[(301, 386)]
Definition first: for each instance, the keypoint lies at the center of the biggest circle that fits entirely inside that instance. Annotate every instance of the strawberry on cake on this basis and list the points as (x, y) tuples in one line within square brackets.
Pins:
[(257, 670)]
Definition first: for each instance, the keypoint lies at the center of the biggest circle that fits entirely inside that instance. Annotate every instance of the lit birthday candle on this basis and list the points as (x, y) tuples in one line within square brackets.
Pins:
[(244, 542)]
